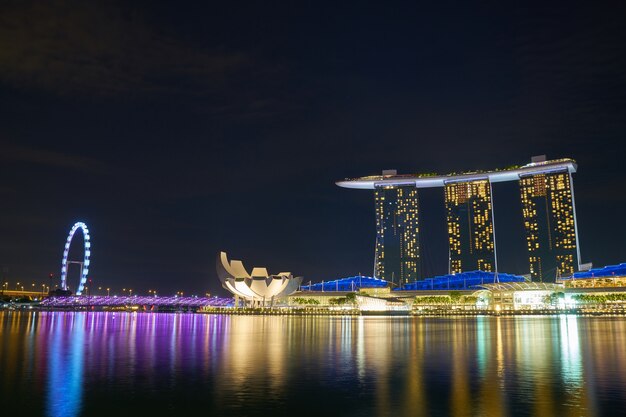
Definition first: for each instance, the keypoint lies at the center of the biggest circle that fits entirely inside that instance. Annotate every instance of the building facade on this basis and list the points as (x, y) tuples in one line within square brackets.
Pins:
[(549, 221), (397, 258), (470, 226)]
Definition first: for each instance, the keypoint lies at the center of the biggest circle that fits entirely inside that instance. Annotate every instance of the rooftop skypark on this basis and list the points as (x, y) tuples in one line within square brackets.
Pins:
[(429, 180)]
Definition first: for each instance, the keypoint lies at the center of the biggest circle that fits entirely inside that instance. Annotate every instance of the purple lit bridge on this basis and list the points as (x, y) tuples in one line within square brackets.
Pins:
[(136, 300)]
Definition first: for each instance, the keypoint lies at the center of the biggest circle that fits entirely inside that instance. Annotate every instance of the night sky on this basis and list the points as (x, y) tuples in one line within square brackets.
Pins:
[(175, 130)]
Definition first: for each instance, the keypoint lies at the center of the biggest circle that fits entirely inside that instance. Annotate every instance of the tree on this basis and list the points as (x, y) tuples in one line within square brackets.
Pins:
[(470, 299), (432, 299), (303, 301), (351, 298)]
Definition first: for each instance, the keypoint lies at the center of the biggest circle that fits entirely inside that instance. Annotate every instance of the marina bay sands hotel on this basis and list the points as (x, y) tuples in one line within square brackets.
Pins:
[(548, 212)]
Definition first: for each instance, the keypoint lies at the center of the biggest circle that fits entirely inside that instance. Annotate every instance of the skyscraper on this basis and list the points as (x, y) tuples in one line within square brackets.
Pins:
[(549, 213), (470, 226), (549, 220), (397, 234)]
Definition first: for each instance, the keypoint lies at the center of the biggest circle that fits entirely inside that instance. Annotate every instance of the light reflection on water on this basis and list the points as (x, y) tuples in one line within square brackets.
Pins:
[(65, 366), (71, 364)]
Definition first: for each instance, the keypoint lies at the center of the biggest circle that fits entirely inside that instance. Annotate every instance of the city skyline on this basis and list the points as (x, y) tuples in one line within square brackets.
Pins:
[(548, 212), (472, 198), (176, 131)]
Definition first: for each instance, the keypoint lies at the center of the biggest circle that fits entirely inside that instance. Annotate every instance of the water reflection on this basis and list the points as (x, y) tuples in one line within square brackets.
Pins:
[(65, 366), (70, 364)]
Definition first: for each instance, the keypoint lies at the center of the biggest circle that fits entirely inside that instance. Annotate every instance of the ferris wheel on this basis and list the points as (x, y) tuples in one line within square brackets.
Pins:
[(84, 265)]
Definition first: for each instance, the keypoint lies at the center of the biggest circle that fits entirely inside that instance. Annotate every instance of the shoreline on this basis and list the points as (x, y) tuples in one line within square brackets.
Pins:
[(583, 312)]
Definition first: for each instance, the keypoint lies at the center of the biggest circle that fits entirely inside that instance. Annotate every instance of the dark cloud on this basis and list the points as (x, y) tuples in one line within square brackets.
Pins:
[(571, 61), (29, 155), (108, 49)]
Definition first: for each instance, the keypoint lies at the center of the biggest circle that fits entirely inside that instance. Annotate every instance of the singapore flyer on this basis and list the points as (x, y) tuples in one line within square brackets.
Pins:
[(84, 270)]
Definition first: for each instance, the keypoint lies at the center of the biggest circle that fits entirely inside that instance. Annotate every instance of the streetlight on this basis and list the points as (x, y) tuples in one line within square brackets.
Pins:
[(17, 286), (108, 292)]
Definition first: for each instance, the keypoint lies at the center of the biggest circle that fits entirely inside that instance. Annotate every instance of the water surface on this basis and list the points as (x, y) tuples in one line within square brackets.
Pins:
[(117, 364)]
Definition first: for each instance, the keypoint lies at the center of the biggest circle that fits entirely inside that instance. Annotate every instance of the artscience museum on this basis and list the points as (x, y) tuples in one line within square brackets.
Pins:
[(256, 289)]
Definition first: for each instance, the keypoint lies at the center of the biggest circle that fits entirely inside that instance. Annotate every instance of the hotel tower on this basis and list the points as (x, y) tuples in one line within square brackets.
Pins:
[(550, 224), (470, 226), (397, 234), (548, 212)]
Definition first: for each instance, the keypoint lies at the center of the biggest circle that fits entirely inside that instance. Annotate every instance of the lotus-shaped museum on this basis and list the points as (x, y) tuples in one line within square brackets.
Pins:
[(258, 288)]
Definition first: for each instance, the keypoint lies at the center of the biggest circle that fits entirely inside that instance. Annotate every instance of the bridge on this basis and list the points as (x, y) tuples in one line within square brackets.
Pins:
[(23, 293), (175, 302)]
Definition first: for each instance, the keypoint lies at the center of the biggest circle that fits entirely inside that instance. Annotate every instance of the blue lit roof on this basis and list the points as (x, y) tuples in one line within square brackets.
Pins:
[(463, 280), (607, 271), (347, 284), (460, 281)]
